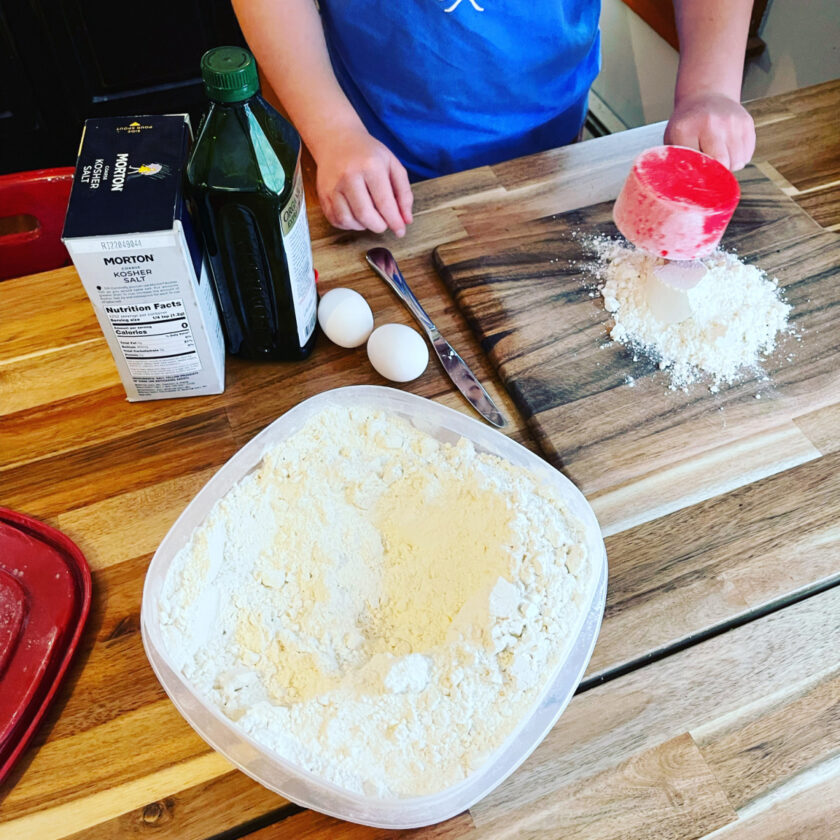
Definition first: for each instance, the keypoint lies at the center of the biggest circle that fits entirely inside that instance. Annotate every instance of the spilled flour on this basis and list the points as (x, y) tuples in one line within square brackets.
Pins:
[(737, 314), (376, 606)]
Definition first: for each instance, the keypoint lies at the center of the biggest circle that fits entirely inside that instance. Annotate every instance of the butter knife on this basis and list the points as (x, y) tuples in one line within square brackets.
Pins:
[(382, 261)]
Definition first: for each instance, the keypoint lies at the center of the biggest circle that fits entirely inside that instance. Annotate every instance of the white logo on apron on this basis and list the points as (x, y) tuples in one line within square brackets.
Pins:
[(458, 3)]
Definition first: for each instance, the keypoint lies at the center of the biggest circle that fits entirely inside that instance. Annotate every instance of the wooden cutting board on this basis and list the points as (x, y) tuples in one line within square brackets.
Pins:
[(606, 419)]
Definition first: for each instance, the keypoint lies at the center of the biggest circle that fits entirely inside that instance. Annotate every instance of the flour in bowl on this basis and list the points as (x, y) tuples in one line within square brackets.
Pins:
[(380, 608), (737, 315)]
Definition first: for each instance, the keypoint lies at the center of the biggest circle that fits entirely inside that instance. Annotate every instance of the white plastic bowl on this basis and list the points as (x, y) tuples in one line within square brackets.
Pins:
[(278, 773)]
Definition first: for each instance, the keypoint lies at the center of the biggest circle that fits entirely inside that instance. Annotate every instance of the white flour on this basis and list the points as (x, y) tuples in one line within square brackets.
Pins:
[(378, 607), (736, 315)]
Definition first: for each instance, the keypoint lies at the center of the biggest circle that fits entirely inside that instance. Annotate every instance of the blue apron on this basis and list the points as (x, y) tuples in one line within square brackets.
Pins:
[(452, 84)]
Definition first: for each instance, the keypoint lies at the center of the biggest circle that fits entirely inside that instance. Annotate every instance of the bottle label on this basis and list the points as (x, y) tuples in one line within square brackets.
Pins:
[(295, 229)]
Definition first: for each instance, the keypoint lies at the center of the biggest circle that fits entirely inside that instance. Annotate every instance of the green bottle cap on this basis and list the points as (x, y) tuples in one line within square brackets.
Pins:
[(230, 74)]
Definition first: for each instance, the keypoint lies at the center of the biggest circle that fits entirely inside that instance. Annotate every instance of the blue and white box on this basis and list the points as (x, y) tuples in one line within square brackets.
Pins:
[(131, 238)]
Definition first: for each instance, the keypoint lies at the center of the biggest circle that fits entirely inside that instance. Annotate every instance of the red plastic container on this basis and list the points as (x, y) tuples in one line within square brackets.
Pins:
[(45, 592), (676, 203), (42, 194)]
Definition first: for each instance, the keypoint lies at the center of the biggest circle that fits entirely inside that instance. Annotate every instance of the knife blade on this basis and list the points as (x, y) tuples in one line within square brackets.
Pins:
[(382, 261)]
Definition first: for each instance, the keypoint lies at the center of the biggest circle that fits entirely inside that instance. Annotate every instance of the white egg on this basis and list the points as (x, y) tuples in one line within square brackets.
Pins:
[(345, 317), (398, 352)]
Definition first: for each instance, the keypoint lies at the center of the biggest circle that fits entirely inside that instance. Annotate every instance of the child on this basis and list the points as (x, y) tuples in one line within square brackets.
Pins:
[(384, 91)]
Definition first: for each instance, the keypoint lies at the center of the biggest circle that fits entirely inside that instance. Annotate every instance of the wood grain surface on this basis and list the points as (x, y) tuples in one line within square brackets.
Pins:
[(711, 701), (609, 419)]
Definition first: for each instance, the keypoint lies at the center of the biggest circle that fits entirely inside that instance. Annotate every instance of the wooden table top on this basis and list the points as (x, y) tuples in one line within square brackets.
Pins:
[(712, 702)]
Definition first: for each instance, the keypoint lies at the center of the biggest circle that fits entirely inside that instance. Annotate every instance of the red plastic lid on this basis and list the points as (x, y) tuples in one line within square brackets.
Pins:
[(45, 591)]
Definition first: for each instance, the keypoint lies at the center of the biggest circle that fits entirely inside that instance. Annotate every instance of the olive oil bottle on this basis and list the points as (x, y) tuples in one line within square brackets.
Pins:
[(245, 181)]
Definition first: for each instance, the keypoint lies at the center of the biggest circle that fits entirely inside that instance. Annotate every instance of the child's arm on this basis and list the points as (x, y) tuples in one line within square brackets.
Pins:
[(361, 184), (707, 105)]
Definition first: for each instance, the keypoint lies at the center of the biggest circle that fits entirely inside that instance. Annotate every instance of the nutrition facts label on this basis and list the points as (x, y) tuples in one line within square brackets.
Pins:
[(155, 338)]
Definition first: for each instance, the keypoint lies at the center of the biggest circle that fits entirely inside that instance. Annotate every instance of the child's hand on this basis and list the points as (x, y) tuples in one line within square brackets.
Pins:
[(361, 184), (716, 125)]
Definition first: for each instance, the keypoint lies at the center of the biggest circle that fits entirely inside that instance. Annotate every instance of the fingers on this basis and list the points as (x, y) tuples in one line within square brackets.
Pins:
[(751, 139), (682, 133), (362, 185), (738, 157), (732, 143), (715, 145), (747, 143), (377, 198), (725, 132), (355, 192), (389, 199), (381, 191), (338, 212), (352, 208), (402, 190)]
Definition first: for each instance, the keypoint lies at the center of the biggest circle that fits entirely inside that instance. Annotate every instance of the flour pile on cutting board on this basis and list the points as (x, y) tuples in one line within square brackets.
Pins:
[(737, 314), (378, 607)]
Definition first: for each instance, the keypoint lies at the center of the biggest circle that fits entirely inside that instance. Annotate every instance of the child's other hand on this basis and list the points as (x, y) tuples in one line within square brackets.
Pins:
[(716, 125), (361, 183)]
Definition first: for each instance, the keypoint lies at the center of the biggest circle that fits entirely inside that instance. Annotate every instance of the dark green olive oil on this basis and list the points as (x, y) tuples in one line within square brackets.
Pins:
[(245, 181)]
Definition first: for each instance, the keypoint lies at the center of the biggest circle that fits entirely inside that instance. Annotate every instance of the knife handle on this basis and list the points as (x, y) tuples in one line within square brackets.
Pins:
[(383, 263)]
